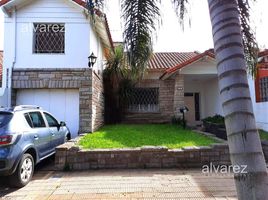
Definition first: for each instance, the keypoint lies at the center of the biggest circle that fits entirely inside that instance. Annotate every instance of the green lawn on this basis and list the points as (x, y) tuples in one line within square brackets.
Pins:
[(263, 135), (122, 136)]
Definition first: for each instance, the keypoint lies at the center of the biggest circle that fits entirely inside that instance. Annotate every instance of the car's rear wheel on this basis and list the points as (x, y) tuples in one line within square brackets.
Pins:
[(24, 171)]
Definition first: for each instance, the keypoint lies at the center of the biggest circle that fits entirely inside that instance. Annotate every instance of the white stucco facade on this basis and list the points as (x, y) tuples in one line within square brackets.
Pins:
[(201, 77), (81, 39)]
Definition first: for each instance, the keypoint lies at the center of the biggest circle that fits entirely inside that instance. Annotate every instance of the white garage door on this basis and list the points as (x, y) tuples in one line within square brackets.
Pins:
[(63, 104)]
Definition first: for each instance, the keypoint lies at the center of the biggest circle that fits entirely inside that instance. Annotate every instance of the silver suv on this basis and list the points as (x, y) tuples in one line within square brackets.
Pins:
[(28, 134)]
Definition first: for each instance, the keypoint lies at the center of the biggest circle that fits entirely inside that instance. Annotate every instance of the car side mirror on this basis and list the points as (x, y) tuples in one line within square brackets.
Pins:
[(62, 124)]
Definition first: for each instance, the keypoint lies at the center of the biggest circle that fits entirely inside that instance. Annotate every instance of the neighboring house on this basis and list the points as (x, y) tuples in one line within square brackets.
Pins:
[(1, 66), (46, 50), (174, 80), (259, 91)]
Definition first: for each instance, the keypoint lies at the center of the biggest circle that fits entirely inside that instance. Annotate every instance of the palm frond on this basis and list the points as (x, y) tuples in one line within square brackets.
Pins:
[(116, 64), (249, 41), (180, 9), (140, 20), (92, 5)]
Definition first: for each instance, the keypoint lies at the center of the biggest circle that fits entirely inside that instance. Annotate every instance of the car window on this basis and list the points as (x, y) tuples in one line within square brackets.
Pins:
[(28, 119), (37, 119), (52, 122), (5, 118)]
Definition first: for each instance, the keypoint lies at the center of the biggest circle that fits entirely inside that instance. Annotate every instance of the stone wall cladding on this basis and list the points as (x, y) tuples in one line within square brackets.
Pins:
[(72, 157), (178, 94), (166, 99), (59, 78), (69, 156), (97, 102)]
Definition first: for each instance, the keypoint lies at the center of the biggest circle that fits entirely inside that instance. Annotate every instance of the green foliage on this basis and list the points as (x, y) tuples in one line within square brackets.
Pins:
[(180, 9), (249, 41), (140, 20), (263, 134), (117, 84), (216, 119), (122, 136)]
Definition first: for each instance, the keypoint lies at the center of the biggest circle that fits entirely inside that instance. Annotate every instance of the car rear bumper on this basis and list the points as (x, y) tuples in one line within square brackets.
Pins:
[(9, 159)]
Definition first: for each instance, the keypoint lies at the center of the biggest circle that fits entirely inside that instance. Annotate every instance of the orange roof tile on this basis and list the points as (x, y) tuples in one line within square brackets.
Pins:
[(167, 60)]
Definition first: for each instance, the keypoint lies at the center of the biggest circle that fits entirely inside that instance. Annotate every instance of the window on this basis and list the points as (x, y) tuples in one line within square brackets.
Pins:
[(49, 38), (37, 120), (5, 118), (28, 119), (264, 89), (52, 122), (144, 100)]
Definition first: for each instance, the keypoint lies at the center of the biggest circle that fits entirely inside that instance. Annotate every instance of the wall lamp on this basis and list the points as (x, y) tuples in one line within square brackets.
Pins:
[(92, 60)]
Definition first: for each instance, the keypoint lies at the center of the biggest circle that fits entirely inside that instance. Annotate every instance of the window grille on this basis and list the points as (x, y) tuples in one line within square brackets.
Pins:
[(144, 100), (49, 38), (264, 89)]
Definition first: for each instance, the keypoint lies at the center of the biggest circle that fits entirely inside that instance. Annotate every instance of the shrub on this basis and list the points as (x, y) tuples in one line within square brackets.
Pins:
[(216, 119)]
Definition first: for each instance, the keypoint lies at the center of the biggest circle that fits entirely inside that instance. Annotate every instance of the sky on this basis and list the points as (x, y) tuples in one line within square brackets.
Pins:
[(170, 37)]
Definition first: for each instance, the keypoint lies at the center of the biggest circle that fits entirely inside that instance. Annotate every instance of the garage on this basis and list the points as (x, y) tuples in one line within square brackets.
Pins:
[(62, 103)]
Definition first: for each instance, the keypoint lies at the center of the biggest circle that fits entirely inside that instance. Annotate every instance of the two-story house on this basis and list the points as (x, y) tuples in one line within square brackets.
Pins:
[(46, 50)]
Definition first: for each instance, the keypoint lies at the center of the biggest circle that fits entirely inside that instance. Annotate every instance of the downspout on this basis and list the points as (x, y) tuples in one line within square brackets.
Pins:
[(10, 70)]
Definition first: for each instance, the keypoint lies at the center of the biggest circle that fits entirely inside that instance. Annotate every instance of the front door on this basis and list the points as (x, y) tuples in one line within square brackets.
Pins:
[(191, 101)]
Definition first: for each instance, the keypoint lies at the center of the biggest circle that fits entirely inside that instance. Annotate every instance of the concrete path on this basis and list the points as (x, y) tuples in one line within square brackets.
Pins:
[(125, 184)]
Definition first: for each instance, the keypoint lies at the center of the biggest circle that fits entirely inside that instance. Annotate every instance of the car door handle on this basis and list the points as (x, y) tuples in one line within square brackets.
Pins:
[(36, 137)]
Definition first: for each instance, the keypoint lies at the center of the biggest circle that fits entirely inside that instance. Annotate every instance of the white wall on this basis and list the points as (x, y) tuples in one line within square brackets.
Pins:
[(201, 77), (209, 96), (201, 67), (260, 109), (97, 49), (212, 98), (79, 38)]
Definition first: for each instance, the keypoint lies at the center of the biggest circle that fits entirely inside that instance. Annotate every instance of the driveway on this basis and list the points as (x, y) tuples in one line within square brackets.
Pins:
[(123, 184)]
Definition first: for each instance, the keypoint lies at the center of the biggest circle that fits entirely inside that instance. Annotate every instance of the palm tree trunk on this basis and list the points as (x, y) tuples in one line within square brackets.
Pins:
[(243, 138)]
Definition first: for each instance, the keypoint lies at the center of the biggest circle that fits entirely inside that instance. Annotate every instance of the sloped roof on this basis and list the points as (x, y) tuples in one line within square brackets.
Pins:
[(193, 59), (263, 53), (1, 65), (83, 4), (167, 60)]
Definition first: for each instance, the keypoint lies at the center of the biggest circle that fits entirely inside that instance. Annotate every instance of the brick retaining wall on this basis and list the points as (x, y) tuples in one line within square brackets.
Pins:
[(69, 156)]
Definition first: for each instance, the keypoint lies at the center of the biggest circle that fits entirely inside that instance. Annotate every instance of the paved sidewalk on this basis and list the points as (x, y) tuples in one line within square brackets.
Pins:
[(125, 184)]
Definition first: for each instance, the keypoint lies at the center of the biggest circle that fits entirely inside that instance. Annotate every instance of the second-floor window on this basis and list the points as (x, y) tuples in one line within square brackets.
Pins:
[(49, 38)]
